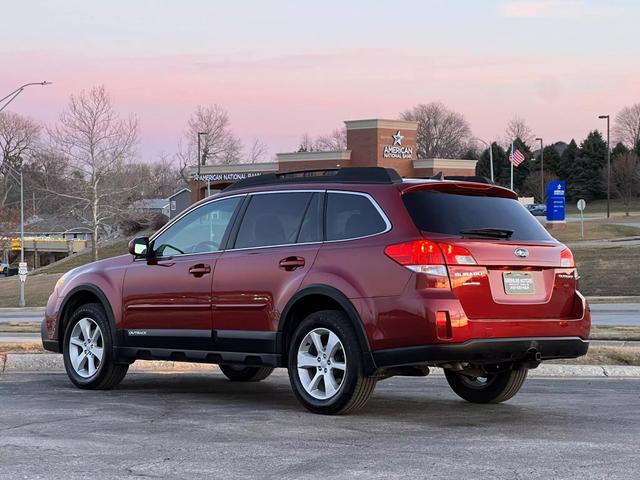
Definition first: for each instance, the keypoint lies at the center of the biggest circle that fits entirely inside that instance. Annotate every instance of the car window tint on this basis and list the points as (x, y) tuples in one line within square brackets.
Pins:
[(272, 219), (311, 230), (199, 231), (452, 214), (351, 216)]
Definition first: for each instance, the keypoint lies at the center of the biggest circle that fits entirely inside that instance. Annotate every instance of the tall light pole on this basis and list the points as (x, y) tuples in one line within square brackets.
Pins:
[(489, 146), (13, 171), (17, 92), (608, 167), (541, 170)]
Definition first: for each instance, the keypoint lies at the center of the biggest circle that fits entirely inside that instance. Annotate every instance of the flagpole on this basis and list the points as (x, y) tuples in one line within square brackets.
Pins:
[(511, 162)]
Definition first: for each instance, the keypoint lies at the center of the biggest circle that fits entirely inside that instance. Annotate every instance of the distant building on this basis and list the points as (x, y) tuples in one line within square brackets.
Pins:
[(178, 202), (370, 143), (152, 205)]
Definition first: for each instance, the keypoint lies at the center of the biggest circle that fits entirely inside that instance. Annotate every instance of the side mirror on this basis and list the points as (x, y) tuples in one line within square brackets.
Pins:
[(139, 247)]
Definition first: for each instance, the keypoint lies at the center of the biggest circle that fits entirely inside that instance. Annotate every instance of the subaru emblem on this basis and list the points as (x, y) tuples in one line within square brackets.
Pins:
[(521, 252)]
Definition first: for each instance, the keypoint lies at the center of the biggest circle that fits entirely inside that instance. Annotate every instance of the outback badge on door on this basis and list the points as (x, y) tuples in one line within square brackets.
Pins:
[(521, 252)]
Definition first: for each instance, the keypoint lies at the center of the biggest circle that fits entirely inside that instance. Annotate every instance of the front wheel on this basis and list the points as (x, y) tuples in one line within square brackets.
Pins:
[(325, 365), (88, 350), (491, 388)]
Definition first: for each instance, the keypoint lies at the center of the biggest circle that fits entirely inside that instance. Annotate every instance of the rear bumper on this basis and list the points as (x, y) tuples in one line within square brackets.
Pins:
[(483, 351)]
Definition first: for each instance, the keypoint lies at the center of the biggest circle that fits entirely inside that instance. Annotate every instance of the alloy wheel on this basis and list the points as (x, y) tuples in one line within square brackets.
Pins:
[(86, 347), (321, 363)]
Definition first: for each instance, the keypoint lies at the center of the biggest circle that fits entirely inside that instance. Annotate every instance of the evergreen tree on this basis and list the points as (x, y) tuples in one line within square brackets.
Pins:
[(586, 180), (551, 159), (566, 165), (500, 164), (618, 151)]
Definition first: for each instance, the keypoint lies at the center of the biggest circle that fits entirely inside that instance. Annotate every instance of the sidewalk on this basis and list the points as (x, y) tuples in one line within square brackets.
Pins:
[(34, 362)]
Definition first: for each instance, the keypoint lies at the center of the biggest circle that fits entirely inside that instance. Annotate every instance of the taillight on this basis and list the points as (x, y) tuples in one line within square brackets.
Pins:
[(566, 259), (456, 255), (422, 256)]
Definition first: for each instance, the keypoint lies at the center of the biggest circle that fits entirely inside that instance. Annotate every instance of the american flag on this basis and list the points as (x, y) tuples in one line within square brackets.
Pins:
[(516, 157)]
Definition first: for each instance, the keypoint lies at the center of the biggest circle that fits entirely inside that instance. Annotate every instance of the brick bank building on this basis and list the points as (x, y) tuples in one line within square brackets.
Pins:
[(370, 143)]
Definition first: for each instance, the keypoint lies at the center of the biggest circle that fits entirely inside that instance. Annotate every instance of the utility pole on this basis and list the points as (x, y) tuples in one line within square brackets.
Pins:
[(22, 300), (608, 167), (541, 170)]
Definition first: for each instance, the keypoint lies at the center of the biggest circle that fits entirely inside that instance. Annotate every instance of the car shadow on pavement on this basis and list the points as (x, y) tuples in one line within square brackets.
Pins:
[(432, 403)]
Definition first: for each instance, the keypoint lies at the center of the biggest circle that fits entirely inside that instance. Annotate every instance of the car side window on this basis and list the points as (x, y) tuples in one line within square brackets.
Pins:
[(199, 231), (273, 219), (351, 216), (311, 229)]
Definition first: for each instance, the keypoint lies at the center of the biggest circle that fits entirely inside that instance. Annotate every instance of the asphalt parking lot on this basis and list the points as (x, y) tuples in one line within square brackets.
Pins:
[(199, 425)]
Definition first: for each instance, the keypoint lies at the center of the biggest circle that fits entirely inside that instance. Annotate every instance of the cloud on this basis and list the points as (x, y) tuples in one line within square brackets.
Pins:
[(547, 8)]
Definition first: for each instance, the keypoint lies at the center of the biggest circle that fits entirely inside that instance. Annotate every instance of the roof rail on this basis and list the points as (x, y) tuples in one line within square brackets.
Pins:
[(379, 175)]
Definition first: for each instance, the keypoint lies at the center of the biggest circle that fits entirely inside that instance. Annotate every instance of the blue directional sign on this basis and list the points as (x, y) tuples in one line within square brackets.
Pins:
[(555, 201)]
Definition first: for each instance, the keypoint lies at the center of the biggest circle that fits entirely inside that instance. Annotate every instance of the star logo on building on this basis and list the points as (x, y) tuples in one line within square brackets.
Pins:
[(397, 138)]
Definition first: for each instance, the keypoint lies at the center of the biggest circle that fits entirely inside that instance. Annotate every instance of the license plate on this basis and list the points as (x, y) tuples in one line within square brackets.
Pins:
[(518, 283)]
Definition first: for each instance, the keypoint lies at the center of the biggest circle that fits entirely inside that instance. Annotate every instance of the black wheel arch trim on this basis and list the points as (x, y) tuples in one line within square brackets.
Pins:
[(95, 290), (344, 302)]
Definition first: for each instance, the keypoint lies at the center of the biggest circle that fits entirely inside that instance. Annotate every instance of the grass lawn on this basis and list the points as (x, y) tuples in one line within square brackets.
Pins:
[(600, 207), (593, 230), (608, 271), (606, 355), (615, 333), (40, 285)]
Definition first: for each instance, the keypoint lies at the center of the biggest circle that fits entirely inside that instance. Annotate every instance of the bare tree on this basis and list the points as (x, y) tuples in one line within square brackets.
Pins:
[(518, 128), (626, 127), (336, 140), (442, 133), (625, 178), (218, 143), (97, 144), (257, 152), (306, 143), (19, 137)]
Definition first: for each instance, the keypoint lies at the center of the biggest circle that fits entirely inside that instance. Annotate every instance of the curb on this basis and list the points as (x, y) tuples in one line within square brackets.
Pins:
[(22, 309), (44, 362)]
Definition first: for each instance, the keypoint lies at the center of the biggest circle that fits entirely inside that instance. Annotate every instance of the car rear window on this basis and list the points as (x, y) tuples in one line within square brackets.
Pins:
[(452, 214)]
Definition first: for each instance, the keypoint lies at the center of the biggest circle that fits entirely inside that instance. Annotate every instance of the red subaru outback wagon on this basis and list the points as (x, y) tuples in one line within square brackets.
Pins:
[(345, 277)]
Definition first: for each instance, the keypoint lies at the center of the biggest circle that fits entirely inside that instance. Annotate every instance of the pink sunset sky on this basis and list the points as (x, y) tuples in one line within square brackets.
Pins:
[(285, 68)]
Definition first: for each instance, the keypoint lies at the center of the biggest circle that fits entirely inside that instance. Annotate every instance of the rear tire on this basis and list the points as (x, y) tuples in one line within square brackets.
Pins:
[(88, 350), (245, 374), (494, 388), (326, 367)]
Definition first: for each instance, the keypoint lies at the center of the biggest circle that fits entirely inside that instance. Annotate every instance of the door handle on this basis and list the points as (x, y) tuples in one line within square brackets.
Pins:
[(199, 270), (291, 263)]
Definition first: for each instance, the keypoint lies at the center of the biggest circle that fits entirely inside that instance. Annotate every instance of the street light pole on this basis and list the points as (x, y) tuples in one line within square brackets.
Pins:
[(13, 172), (608, 167), (17, 92), (489, 146), (541, 170), (22, 301)]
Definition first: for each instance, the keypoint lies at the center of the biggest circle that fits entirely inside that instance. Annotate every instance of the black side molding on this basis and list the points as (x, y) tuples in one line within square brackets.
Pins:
[(130, 354)]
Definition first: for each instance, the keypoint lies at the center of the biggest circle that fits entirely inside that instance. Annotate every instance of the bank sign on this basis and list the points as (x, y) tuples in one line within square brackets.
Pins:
[(224, 177), (397, 150), (555, 201)]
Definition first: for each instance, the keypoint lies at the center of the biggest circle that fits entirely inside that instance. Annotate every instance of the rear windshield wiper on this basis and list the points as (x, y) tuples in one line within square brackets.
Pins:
[(488, 232)]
